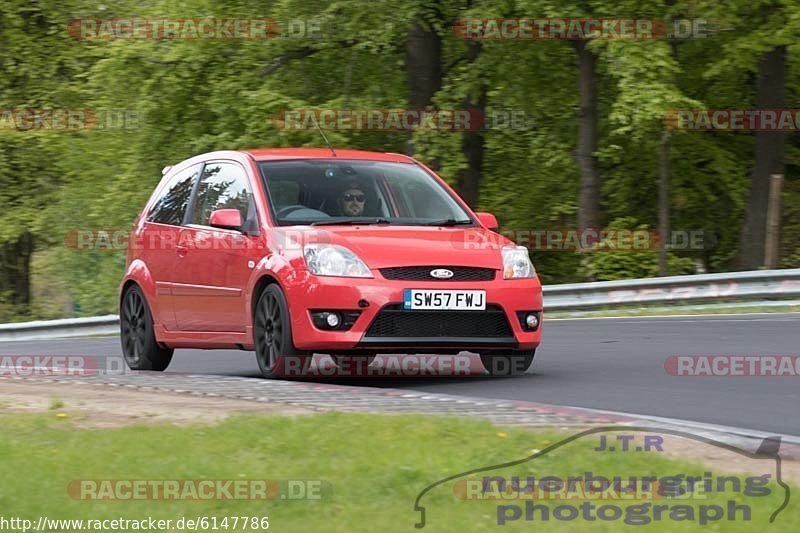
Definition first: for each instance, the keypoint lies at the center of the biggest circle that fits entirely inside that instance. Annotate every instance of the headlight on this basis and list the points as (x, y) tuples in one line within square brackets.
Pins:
[(334, 260), (516, 263)]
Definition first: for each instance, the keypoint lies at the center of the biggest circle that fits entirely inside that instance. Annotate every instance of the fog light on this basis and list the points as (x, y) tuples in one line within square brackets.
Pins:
[(529, 320), (332, 320)]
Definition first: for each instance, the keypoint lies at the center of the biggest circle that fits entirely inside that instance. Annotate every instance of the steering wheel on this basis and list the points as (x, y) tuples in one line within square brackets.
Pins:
[(283, 211)]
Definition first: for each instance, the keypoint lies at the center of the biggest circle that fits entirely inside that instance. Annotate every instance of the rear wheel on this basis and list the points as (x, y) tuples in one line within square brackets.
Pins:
[(513, 364), (275, 352), (139, 346)]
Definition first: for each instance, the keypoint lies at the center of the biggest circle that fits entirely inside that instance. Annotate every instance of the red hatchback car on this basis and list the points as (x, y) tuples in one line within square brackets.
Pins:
[(291, 252)]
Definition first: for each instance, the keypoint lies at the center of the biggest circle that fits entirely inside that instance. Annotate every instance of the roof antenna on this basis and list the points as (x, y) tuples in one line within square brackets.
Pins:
[(323, 134)]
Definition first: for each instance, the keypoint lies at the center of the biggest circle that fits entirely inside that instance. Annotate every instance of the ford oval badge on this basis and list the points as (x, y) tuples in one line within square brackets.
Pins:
[(441, 273)]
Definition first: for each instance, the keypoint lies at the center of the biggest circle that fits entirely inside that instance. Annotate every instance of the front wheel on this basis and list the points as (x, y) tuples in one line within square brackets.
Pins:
[(514, 364), (275, 352), (139, 346)]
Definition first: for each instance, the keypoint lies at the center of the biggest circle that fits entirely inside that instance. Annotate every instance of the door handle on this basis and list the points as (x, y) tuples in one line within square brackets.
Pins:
[(181, 250)]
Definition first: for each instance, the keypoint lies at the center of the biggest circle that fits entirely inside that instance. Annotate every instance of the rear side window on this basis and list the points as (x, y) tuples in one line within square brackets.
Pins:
[(223, 186), (171, 206)]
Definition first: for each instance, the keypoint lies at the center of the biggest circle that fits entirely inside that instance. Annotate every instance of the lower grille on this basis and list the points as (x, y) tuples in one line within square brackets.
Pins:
[(423, 273), (394, 321)]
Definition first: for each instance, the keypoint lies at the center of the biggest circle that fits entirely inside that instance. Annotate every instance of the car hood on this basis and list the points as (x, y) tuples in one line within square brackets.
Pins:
[(391, 246)]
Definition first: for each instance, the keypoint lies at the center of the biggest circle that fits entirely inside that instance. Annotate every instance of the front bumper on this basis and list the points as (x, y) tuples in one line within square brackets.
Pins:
[(308, 292)]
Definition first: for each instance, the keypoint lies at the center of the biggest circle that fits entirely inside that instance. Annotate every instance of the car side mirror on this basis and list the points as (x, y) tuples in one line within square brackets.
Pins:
[(226, 219), (487, 220)]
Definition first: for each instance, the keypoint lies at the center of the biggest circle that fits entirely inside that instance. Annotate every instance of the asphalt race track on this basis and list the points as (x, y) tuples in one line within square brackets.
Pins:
[(612, 364)]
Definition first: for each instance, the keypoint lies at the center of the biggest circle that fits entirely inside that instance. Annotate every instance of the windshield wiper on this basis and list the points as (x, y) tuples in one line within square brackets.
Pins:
[(351, 221), (447, 222)]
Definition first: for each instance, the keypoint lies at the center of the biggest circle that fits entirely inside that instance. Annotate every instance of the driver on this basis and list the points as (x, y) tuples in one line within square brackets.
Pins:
[(351, 200)]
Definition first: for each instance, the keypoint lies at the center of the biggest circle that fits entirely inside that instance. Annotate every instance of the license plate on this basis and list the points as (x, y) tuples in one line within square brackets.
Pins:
[(444, 300)]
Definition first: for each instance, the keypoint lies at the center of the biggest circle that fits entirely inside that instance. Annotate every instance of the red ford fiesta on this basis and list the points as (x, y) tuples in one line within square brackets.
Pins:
[(291, 252)]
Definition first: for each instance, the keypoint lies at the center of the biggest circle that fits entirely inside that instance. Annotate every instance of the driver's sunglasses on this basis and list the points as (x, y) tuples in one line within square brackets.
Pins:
[(353, 198)]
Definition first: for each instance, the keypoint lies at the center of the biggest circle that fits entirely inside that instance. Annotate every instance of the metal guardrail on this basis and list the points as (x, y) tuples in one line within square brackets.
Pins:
[(752, 288), (57, 329), (732, 289)]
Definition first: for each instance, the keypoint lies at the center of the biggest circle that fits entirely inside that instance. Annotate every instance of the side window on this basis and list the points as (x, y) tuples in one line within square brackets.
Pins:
[(222, 186), (171, 207)]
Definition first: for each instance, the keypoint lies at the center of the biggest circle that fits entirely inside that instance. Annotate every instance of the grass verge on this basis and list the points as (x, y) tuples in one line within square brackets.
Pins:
[(372, 468)]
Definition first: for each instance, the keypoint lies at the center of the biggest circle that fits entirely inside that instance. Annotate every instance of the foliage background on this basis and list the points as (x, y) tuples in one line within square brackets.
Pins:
[(192, 96)]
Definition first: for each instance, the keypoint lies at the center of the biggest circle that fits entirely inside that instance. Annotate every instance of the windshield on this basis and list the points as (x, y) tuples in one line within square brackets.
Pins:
[(332, 192)]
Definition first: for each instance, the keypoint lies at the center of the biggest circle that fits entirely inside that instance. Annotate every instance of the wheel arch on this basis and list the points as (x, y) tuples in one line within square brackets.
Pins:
[(139, 275), (266, 279), (126, 286)]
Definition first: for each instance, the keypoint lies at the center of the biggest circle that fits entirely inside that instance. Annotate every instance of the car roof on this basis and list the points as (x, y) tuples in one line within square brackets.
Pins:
[(273, 154)]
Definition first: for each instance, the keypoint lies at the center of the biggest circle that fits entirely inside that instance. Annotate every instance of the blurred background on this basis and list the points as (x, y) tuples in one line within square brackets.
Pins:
[(578, 132)]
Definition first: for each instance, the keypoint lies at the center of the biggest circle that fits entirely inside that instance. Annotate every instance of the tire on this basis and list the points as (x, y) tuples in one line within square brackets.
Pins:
[(272, 330), (139, 346), (514, 364)]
